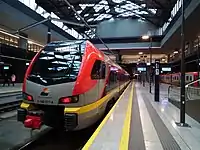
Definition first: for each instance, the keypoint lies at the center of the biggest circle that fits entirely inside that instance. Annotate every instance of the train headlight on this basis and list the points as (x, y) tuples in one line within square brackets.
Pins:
[(67, 100)]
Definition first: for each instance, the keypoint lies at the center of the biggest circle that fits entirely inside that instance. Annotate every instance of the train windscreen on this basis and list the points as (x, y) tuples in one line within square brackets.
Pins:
[(58, 63)]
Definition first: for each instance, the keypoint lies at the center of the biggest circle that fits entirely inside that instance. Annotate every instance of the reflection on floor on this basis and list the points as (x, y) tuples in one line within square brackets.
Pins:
[(187, 138)]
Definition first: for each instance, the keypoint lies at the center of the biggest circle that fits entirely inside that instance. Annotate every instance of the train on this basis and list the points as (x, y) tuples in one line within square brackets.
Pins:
[(70, 85), (175, 78)]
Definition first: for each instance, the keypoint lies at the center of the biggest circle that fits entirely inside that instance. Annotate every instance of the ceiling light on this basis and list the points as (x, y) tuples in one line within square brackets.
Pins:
[(140, 53), (175, 52), (163, 59), (30, 42), (145, 37)]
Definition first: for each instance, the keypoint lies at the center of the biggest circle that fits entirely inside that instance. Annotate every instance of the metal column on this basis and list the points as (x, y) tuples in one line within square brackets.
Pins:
[(182, 94), (49, 35), (157, 81), (198, 59), (150, 51)]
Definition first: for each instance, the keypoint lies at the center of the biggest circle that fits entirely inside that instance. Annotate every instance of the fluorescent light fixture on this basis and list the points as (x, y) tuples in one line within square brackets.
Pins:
[(30, 42), (163, 59), (148, 64), (9, 34), (140, 53), (175, 52), (145, 37), (27, 64)]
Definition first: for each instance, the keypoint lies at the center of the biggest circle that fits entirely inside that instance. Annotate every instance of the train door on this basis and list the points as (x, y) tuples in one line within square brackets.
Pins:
[(98, 73)]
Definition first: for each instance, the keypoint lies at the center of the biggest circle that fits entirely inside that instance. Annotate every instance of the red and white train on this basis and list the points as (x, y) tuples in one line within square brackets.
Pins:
[(175, 78), (70, 85)]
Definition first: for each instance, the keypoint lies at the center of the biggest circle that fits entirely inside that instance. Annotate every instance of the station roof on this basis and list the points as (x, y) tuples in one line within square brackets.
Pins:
[(95, 11)]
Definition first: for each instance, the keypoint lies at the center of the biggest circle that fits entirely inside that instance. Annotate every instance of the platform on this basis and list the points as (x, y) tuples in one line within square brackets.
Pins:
[(10, 89), (136, 122), (10, 94)]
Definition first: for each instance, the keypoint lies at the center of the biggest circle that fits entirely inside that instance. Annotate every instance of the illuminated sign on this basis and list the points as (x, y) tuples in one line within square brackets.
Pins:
[(166, 69), (141, 69), (6, 67)]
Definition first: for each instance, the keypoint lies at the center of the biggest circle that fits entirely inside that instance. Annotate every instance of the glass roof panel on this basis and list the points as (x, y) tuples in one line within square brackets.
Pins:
[(103, 10), (96, 11)]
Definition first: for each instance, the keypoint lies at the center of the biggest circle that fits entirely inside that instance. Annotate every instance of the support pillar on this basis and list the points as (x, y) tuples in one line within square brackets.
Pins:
[(157, 80), (151, 75), (49, 35), (182, 93)]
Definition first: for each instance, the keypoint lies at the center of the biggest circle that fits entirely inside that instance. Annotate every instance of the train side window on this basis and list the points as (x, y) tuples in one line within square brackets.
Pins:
[(190, 78), (98, 70), (187, 78)]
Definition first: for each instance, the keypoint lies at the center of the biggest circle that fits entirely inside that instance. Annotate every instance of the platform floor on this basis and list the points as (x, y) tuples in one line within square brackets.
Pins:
[(152, 124), (6, 88), (164, 116), (135, 123)]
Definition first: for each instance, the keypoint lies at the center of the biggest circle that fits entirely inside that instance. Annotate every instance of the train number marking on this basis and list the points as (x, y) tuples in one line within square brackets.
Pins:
[(45, 101)]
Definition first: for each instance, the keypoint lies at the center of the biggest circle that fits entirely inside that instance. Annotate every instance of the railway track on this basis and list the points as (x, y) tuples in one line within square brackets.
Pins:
[(10, 101), (51, 139)]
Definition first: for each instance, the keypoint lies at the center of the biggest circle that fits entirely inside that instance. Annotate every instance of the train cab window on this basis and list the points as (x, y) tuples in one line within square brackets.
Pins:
[(98, 70), (57, 63)]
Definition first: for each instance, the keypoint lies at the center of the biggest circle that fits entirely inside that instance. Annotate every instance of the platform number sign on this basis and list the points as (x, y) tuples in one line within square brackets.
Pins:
[(157, 90), (157, 68)]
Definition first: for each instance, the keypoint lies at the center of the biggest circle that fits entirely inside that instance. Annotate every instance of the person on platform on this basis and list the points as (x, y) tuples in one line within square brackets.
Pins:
[(13, 79), (6, 79)]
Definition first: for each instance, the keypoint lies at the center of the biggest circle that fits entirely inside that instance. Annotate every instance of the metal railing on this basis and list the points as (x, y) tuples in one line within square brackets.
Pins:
[(191, 92)]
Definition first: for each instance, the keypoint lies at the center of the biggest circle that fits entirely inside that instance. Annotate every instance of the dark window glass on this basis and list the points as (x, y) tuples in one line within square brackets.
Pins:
[(187, 78), (98, 70), (57, 64), (112, 81), (190, 78)]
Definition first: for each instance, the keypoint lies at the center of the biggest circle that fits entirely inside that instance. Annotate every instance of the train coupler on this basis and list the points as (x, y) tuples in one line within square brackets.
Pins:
[(34, 120)]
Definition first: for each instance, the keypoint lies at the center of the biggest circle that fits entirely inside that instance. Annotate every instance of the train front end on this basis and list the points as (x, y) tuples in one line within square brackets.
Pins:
[(49, 86)]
